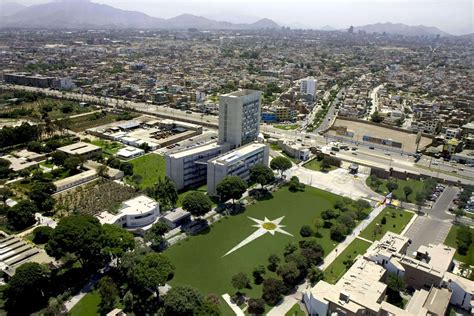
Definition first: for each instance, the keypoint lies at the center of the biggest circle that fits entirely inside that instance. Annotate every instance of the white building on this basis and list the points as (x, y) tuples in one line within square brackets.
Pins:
[(239, 117), (130, 153), (188, 168), (235, 163), (137, 213), (308, 86)]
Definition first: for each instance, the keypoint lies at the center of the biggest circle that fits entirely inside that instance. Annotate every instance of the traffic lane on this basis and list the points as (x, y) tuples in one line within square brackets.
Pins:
[(441, 206)]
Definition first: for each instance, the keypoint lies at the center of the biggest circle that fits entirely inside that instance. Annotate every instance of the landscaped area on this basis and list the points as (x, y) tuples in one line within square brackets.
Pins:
[(81, 123), (286, 127), (200, 260), (395, 221), (315, 165), (344, 261), (108, 147), (415, 185), (150, 167), (88, 305), (450, 240), (295, 311)]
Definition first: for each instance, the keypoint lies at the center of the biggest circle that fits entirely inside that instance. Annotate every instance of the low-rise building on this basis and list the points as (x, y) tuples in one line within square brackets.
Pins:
[(85, 150), (176, 218), (237, 162), (130, 153), (294, 149), (75, 180), (137, 214)]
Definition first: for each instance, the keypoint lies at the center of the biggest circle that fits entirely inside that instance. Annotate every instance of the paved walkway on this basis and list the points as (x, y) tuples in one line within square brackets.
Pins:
[(69, 304), (234, 307)]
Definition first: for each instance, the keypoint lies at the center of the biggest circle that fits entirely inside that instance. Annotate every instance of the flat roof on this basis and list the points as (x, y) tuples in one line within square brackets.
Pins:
[(129, 151), (195, 150), (135, 206), (241, 93), (17, 164), (176, 215), (79, 148), (237, 154), (74, 178)]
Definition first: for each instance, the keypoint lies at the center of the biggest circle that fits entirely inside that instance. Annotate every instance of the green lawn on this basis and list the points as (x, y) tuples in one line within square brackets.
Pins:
[(295, 311), (286, 127), (451, 241), (315, 165), (337, 268), (88, 305), (150, 167), (108, 147), (393, 223), (416, 186), (200, 260)]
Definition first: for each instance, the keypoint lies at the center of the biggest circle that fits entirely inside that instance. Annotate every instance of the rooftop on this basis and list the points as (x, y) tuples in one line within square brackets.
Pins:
[(237, 154), (195, 150), (79, 148)]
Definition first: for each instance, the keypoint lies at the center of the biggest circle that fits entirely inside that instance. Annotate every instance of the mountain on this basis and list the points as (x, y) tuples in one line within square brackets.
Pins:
[(80, 14), (10, 8), (327, 28), (401, 29)]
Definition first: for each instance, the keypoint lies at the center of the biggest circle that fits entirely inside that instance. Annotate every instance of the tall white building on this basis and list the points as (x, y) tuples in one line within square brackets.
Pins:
[(308, 86), (238, 162), (239, 117)]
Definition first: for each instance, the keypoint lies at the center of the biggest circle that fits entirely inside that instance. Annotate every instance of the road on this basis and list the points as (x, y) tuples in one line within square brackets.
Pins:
[(375, 101), (434, 226)]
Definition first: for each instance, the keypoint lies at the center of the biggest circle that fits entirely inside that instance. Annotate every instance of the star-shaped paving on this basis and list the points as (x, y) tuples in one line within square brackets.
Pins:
[(264, 226)]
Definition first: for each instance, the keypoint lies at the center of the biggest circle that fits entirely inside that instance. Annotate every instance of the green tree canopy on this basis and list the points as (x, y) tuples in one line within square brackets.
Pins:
[(261, 174), (231, 187), (22, 215), (149, 271), (182, 301), (281, 164), (115, 241), (197, 203)]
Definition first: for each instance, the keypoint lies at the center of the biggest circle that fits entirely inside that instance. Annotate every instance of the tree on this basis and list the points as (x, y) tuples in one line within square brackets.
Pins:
[(197, 203), (273, 261), (155, 234), (240, 281), (22, 215), (458, 213), (59, 157), (290, 248), (113, 162), (42, 234), (289, 273), (258, 273), (5, 193), (231, 187), (325, 164), (391, 186), (272, 290), (78, 235), (395, 285), (463, 239), (165, 192), (72, 163), (108, 292), (25, 292), (182, 301), (306, 231), (295, 185), (328, 214), (315, 275), (376, 118), (40, 194), (149, 271), (261, 174), (256, 306), (281, 164), (407, 190), (347, 219), (338, 232), (318, 224), (312, 251), (419, 200), (127, 168), (115, 241), (102, 170)]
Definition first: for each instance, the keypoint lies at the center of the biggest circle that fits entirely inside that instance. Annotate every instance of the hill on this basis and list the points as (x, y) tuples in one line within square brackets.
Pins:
[(401, 29)]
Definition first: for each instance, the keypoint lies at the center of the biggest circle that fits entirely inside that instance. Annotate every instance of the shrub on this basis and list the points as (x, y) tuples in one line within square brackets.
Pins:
[(306, 231), (42, 234)]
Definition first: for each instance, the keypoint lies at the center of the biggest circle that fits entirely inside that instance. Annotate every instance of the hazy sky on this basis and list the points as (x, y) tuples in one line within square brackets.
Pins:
[(452, 16)]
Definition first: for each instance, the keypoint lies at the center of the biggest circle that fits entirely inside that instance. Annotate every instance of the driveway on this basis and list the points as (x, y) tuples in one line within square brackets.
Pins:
[(435, 225)]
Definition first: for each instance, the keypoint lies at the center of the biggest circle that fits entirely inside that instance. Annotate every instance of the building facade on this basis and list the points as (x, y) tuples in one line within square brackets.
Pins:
[(188, 168), (308, 86), (239, 117), (235, 163)]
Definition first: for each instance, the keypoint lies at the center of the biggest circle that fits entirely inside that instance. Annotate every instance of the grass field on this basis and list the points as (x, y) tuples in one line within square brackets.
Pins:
[(150, 167), (416, 186), (393, 223), (295, 311), (451, 241), (200, 260), (315, 165), (81, 123), (108, 147), (337, 268), (88, 305)]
